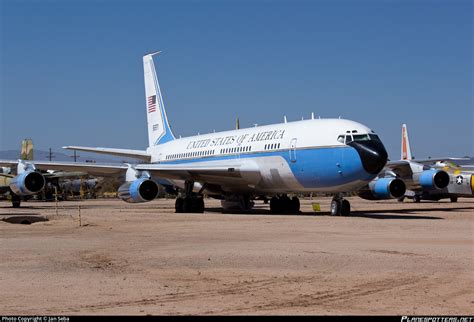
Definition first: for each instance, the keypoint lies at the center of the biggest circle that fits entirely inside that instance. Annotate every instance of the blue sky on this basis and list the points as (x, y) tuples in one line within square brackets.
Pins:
[(71, 71)]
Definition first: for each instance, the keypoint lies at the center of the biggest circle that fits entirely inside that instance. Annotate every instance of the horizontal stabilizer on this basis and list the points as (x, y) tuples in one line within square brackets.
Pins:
[(137, 154)]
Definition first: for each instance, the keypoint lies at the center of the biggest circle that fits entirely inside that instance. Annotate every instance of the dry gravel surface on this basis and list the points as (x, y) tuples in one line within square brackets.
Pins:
[(386, 258)]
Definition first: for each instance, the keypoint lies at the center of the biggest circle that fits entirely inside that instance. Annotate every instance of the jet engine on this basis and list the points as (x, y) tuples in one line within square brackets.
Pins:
[(433, 179), (140, 190), (27, 183), (384, 188)]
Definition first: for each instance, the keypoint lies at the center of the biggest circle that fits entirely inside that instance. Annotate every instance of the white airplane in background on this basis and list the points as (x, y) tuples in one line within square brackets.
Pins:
[(317, 155)]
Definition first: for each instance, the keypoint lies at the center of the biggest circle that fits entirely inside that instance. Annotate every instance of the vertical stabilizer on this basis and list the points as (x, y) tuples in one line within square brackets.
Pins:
[(159, 130), (406, 150), (27, 149)]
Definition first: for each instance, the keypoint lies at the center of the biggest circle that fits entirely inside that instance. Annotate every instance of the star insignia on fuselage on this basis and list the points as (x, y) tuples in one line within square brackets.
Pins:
[(459, 179)]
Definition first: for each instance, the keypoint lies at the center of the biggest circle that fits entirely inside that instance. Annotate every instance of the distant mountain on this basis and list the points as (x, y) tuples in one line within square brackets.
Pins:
[(40, 155)]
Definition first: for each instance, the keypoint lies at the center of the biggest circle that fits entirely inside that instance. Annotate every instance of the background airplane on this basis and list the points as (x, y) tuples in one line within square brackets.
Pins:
[(318, 155), (461, 178), (422, 178), (29, 181)]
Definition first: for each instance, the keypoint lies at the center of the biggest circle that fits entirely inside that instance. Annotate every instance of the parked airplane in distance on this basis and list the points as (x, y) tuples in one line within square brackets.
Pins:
[(29, 181), (332, 156), (421, 177), (461, 179)]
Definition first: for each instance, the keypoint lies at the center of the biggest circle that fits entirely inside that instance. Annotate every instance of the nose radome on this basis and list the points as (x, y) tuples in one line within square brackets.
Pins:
[(372, 154)]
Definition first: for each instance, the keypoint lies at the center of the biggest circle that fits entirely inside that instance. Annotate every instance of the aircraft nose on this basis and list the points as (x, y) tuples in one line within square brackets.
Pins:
[(372, 154)]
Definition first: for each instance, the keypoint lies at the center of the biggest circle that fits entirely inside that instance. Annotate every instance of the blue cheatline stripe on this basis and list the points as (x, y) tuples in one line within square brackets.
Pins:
[(314, 168)]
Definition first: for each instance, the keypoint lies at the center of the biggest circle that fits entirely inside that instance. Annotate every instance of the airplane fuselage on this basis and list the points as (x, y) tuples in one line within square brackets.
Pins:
[(302, 156)]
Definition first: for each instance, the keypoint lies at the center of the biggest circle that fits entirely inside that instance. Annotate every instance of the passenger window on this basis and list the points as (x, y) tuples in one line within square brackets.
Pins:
[(340, 138)]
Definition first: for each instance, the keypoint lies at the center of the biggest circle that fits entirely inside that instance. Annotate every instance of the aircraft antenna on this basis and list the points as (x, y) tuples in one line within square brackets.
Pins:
[(284, 118), (312, 115)]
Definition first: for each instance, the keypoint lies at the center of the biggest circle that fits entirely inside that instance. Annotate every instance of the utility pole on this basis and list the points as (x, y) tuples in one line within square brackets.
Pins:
[(51, 155), (75, 156)]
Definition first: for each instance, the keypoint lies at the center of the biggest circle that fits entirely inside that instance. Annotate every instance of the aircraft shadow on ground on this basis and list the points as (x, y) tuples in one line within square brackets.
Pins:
[(20, 214), (372, 214)]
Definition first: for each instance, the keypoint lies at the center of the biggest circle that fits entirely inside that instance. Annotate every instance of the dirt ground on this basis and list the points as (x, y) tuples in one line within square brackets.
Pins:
[(387, 258)]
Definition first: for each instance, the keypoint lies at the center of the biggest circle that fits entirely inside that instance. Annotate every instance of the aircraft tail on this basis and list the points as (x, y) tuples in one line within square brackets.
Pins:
[(27, 149), (159, 130), (406, 150)]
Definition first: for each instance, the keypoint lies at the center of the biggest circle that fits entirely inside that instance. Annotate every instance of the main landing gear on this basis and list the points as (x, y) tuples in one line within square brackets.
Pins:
[(190, 202), (16, 200), (284, 204), (340, 206)]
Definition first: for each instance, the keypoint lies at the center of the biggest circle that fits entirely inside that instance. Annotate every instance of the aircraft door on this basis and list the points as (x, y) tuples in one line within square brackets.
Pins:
[(293, 150)]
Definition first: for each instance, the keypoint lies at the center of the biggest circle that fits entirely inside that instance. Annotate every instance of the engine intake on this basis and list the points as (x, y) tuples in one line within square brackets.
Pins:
[(437, 179), (27, 183), (384, 188), (140, 190)]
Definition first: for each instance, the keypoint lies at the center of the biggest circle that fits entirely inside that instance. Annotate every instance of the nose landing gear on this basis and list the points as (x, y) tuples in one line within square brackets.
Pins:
[(340, 206)]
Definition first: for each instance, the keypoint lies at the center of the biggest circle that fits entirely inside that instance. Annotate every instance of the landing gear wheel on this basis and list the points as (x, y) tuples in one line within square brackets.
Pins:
[(200, 205), (16, 201), (285, 204), (274, 204), (295, 204), (178, 206), (345, 208), (454, 199), (335, 207), (193, 204)]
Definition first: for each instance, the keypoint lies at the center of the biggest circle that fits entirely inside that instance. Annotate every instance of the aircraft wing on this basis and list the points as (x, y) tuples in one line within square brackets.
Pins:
[(201, 173), (230, 170), (64, 174), (95, 169), (432, 160), (401, 168), (137, 154)]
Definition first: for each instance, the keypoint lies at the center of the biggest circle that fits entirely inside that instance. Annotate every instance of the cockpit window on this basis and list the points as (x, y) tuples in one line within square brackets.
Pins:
[(348, 137), (361, 137), (374, 137)]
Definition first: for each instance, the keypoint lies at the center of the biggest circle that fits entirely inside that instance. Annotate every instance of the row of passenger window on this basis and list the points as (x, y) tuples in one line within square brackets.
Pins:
[(272, 146), (236, 149), (190, 154)]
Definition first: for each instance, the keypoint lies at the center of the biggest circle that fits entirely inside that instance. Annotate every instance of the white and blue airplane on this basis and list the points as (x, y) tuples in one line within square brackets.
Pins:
[(332, 156)]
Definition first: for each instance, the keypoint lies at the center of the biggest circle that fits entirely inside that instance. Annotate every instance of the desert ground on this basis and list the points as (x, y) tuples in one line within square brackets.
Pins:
[(138, 259)]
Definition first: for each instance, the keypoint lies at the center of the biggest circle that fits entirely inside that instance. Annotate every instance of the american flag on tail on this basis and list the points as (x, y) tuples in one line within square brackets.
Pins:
[(151, 103)]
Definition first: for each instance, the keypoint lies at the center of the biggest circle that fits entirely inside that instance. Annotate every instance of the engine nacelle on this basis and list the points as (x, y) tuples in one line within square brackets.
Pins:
[(384, 188), (140, 190), (27, 183), (433, 179)]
